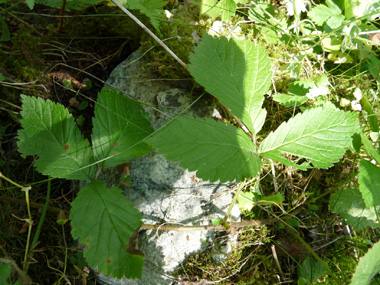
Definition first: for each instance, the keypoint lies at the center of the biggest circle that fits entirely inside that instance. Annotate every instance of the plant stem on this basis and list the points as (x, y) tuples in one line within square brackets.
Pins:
[(313, 253), (38, 231), (29, 220), (241, 185), (145, 28)]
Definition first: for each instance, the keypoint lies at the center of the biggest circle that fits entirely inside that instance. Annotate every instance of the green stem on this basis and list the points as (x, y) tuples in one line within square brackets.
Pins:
[(233, 202), (40, 223), (313, 253)]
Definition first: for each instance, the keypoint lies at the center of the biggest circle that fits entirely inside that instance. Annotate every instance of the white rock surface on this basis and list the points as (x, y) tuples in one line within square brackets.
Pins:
[(163, 191)]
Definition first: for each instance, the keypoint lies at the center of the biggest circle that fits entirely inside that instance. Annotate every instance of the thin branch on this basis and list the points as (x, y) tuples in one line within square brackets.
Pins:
[(145, 28)]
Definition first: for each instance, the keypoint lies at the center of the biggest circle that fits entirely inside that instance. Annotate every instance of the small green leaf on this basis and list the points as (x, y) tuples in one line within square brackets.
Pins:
[(216, 222), (368, 266), (5, 272), (5, 35), (236, 72), (104, 221), (120, 127), (153, 9), (30, 4), (321, 135), (369, 181), (330, 13), (49, 131), (245, 201), (261, 13), (217, 151), (370, 148), (83, 105), (310, 270)]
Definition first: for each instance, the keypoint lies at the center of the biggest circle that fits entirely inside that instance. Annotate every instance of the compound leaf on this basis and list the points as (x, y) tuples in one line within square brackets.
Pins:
[(218, 151), (321, 135), (368, 266), (369, 181), (120, 127), (104, 221), (49, 131), (236, 72)]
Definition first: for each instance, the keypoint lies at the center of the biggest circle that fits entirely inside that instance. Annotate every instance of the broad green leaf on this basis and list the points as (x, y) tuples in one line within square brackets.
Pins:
[(236, 72), (370, 148), (368, 266), (350, 205), (153, 9), (310, 270), (104, 221), (120, 127), (49, 131), (369, 181), (214, 8), (217, 151), (321, 135)]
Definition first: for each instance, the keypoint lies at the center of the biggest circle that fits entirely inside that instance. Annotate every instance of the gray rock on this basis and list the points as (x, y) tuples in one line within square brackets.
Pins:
[(162, 191)]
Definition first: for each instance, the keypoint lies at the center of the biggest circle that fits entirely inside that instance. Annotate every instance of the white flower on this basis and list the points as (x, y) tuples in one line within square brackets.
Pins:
[(317, 91), (168, 14), (300, 6), (358, 94), (344, 102), (355, 105), (217, 28)]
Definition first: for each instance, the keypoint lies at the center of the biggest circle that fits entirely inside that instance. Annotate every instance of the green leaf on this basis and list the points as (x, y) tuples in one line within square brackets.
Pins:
[(49, 131), (368, 266), (248, 199), (370, 148), (103, 220), (218, 151), (322, 13), (369, 181), (261, 13), (120, 126), (297, 94), (245, 201), (5, 272), (30, 4), (214, 8), (5, 35), (350, 205), (290, 100), (153, 9), (321, 135), (310, 270), (236, 72)]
